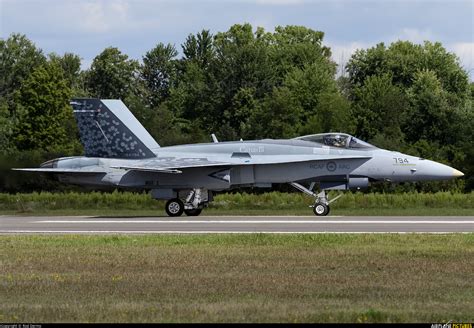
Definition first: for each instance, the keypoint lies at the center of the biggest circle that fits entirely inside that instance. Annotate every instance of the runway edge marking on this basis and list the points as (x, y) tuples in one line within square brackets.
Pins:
[(263, 221), (224, 232)]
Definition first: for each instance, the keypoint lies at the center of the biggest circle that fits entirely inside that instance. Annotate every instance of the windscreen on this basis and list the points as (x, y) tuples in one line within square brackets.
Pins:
[(357, 143)]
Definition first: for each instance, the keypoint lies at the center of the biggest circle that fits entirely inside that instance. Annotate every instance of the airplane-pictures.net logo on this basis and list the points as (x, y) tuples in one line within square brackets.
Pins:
[(451, 325)]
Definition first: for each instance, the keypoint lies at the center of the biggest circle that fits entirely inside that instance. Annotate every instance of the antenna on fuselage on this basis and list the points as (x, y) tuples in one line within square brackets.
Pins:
[(214, 138)]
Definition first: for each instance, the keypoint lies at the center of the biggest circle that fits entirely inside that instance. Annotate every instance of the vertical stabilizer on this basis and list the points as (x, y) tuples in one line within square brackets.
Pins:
[(108, 129)]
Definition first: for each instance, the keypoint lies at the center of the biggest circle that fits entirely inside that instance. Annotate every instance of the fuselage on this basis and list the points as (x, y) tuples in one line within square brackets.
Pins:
[(261, 163), (120, 153)]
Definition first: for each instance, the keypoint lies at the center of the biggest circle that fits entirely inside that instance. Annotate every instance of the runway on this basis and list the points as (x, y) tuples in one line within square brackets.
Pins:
[(234, 224)]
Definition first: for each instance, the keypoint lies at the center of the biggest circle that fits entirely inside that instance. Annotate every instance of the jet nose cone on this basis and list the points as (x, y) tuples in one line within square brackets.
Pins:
[(457, 174), (430, 170)]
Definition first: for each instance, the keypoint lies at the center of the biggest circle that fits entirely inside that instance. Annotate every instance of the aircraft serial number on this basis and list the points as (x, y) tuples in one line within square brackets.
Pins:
[(400, 160)]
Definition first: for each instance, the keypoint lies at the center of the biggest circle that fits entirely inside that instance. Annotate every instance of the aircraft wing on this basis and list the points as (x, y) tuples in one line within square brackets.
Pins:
[(170, 165), (174, 165), (91, 170)]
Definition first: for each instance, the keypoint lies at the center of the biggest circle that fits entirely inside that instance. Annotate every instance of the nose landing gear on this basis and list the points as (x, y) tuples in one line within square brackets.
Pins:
[(321, 202), (321, 209)]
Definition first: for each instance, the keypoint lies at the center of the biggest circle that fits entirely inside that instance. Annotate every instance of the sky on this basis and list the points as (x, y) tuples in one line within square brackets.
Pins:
[(86, 27)]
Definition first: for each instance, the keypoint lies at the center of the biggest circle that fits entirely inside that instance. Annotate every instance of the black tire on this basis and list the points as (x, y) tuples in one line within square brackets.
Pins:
[(174, 207), (320, 209), (193, 212)]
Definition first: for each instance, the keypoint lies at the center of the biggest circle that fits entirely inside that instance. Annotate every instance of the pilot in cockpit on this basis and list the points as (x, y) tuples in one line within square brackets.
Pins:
[(335, 140), (339, 141)]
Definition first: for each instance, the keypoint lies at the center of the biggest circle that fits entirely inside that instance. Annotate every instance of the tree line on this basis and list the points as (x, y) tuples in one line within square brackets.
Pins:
[(243, 83)]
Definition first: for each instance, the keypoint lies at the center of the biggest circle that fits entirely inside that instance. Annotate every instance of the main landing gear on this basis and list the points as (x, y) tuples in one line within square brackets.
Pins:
[(321, 202), (192, 205)]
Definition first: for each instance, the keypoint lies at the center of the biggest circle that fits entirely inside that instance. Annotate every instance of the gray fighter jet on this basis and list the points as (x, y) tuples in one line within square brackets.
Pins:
[(120, 153)]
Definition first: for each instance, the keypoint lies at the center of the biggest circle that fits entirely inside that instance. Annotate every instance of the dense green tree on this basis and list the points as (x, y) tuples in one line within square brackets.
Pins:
[(158, 71), (297, 47), (199, 48), (308, 83), (366, 62), (379, 107), (430, 79), (71, 66), (403, 59), (414, 98), (429, 113), (277, 117), (112, 75), (333, 114), (7, 125), (196, 96), (43, 110), (243, 61), (243, 105), (18, 57), (226, 83), (195, 99)]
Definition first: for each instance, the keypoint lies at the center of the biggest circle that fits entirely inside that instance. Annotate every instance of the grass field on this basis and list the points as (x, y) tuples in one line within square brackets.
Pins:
[(117, 203), (237, 278)]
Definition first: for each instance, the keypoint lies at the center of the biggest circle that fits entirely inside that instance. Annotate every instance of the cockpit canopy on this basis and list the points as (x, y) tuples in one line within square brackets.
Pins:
[(340, 140)]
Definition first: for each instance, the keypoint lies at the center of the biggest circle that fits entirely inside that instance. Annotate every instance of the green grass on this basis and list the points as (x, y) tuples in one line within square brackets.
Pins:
[(117, 203), (237, 278)]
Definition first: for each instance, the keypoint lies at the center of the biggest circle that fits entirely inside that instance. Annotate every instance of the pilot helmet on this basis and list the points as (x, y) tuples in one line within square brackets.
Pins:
[(338, 138)]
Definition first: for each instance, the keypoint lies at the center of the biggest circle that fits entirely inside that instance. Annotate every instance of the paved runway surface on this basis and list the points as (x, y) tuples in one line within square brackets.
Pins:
[(236, 224)]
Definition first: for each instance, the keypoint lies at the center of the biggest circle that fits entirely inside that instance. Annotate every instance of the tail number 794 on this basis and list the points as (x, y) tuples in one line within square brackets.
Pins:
[(400, 160)]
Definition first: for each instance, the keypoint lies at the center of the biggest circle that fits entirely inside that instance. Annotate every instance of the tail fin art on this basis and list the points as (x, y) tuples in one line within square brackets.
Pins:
[(108, 129)]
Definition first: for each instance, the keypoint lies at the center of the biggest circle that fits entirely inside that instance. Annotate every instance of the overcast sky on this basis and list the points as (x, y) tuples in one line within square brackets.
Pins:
[(86, 27)]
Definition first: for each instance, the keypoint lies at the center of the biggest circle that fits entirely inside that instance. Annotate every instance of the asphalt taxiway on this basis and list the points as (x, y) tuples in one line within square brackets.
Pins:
[(234, 224)]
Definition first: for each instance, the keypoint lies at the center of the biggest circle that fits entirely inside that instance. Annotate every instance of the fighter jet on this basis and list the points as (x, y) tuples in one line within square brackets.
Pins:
[(120, 153)]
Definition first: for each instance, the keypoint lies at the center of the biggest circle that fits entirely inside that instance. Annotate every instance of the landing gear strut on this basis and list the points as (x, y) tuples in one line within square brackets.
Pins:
[(321, 202)]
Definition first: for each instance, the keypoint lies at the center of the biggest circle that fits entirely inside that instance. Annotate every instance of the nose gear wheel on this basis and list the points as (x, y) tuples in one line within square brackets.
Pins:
[(321, 209)]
